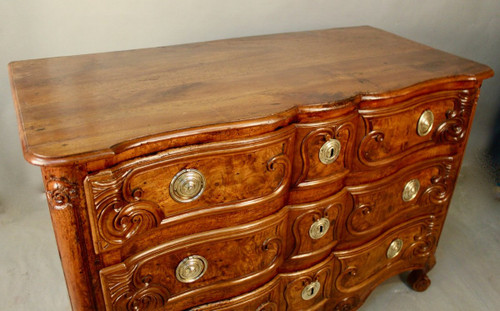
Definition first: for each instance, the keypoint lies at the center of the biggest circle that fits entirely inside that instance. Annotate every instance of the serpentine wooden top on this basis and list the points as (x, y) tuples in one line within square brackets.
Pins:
[(92, 107)]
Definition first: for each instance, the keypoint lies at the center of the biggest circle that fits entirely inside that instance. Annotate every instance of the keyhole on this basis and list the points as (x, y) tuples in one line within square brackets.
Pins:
[(331, 152), (312, 291), (320, 229)]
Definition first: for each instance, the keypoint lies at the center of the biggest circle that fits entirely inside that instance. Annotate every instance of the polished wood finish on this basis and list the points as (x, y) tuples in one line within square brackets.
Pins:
[(279, 227)]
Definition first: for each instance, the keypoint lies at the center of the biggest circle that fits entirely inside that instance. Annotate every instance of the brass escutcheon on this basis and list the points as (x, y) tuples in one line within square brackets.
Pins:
[(319, 228), (410, 190), (187, 185), (311, 290), (425, 122), (394, 248), (330, 151), (191, 269)]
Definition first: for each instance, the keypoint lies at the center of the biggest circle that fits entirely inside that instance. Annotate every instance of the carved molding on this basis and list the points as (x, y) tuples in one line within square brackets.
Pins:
[(316, 213), (341, 132), (323, 276), (457, 120), (120, 213), (268, 306), (60, 193), (130, 293)]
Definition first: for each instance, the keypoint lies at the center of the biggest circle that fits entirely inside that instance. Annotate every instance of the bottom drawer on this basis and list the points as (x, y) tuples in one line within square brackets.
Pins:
[(308, 289), (409, 246)]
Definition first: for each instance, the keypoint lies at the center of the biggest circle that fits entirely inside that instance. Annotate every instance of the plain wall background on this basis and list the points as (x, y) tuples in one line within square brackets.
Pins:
[(36, 29)]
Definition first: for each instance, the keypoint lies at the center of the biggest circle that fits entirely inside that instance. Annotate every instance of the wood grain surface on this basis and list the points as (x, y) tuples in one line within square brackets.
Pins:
[(80, 108)]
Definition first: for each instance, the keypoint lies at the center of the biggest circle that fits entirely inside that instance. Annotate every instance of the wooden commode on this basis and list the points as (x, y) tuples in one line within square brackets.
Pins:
[(283, 172)]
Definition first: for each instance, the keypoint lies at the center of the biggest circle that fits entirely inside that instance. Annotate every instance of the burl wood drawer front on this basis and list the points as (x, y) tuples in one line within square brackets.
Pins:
[(408, 246), (206, 267), (314, 230), (324, 153), (391, 132), (419, 189), (307, 289), (187, 184), (266, 298)]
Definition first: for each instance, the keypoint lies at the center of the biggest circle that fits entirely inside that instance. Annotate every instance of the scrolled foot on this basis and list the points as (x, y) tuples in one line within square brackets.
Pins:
[(418, 280)]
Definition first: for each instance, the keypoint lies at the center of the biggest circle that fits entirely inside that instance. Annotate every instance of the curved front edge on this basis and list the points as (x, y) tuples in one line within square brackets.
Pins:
[(409, 246)]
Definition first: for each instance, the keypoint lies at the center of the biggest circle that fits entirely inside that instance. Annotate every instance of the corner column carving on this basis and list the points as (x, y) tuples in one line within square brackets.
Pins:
[(63, 186)]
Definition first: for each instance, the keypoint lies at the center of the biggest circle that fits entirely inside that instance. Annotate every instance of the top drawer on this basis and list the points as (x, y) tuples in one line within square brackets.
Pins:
[(184, 184), (392, 131)]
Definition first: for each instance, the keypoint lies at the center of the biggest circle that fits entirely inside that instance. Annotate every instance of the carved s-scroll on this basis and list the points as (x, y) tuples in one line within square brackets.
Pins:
[(120, 212), (127, 292), (316, 214), (453, 130), (341, 132)]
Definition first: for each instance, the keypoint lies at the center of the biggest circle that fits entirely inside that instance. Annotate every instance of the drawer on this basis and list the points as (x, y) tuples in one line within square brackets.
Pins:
[(406, 247), (315, 229), (188, 184), (309, 289), (419, 189), (323, 157), (391, 131), (206, 267), (265, 298)]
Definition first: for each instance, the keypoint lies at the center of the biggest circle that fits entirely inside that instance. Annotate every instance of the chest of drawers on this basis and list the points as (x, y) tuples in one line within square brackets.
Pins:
[(283, 172)]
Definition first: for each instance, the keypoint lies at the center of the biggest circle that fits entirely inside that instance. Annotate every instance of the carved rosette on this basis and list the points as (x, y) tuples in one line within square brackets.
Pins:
[(60, 192), (341, 132), (120, 212)]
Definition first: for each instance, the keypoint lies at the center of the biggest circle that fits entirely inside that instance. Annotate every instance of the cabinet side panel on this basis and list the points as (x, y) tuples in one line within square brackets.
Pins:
[(65, 197)]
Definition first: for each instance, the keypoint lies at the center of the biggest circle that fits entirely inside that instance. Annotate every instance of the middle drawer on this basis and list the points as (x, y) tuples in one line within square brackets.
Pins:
[(419, 189), (205, 267)]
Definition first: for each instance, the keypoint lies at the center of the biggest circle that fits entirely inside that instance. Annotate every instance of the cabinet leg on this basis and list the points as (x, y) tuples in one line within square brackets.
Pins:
[(418, 280)]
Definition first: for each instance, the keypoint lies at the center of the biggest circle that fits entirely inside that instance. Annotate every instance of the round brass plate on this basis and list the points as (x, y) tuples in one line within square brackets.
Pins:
[(319, 228), (425, 122), (410, 190), (330, 151), (394, 248), (191, 269), (311, 290), (187, 185)]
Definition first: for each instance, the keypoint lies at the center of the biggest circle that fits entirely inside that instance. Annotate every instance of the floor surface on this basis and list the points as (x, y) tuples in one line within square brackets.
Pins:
[(465, 278)]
